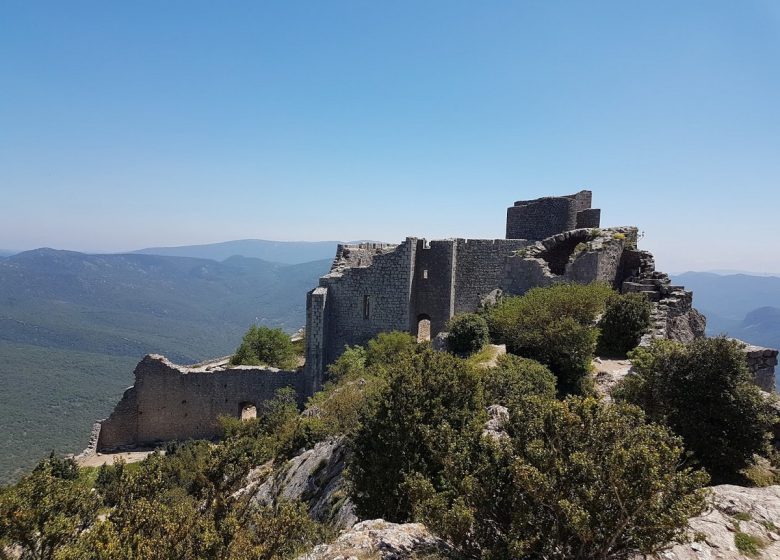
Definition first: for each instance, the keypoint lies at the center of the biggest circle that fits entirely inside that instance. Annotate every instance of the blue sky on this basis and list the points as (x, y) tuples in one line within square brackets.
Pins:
[(129, 124)]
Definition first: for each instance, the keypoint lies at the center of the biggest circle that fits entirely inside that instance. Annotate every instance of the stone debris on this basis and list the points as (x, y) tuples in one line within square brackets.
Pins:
[(497, 417)]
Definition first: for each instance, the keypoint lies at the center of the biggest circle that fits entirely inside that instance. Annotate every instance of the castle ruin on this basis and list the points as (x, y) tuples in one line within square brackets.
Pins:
[(416, 286)]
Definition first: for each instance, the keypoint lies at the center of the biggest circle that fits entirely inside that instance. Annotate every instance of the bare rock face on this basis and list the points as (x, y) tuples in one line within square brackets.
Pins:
[(742, 523), (315, 478), (686, 327), (378, 539)]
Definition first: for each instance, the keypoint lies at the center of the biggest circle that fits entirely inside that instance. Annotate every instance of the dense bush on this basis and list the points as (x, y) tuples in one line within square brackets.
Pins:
[(430, 403), (386, 347), (47, 510), (515, 378), (265, 346), (554, 326), (625, 320), (468, 333), (704, 393), (574, 479)]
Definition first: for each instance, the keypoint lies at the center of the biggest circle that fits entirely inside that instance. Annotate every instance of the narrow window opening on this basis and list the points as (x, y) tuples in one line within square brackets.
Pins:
[(366, 307), (425, 274)]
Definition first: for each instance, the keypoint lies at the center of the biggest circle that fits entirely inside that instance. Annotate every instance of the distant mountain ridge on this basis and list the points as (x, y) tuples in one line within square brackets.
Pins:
[(286, 252)]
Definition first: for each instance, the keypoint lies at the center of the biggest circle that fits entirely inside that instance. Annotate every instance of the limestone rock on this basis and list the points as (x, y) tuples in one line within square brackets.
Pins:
[(315, 478), (494, 427), (751, 511), (686, 327), (378, 539)]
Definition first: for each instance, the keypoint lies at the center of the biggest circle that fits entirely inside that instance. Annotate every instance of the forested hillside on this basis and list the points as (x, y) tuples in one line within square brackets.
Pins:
[(72, 326)]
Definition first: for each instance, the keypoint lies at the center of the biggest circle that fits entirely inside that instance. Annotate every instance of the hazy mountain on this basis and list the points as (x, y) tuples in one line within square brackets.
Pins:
[(740, 305), (72, 326), (6, 253), (289, 252)]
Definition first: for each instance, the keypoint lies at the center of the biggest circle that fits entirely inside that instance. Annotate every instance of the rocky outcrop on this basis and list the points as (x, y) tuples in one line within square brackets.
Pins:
[(378, 539), (739, 520), (315, 478)]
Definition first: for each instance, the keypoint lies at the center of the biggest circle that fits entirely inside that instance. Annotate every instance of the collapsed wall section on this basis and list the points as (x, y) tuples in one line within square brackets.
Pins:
[(171, 402)]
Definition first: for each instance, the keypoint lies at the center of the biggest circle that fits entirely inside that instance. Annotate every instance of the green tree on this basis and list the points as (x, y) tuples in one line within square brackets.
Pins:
[(555, 326), (468, 334), (626, 318), (431, 401), (577, 479), (515, 378), (704, 393), (46, 510), (265, 346)]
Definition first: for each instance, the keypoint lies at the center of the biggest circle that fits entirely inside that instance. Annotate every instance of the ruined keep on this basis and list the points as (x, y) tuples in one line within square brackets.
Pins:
[(415, 286), (418, 285)]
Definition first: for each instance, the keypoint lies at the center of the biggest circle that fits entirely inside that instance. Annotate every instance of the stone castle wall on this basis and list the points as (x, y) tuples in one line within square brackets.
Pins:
[(363, 301), (171, 402)]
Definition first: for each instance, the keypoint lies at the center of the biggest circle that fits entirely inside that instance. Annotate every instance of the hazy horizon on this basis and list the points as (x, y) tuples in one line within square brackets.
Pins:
[(136, 125)]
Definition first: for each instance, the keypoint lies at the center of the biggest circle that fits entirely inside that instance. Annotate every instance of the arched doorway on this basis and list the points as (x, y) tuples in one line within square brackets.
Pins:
[(423, 328), (247, 411)]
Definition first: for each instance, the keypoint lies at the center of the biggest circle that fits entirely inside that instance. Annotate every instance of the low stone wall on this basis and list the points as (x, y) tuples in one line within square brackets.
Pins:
[(172, 402)]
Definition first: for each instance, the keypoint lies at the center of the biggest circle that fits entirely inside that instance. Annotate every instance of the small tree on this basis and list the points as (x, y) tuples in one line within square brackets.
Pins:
[(704, 393), (626, 318), (555, 326), (431, 402), (574, 479), (468, 334), (265, 346)]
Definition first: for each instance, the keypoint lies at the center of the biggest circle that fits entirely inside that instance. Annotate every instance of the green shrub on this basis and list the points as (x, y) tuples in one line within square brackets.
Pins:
[(555, 326), (625, 320), (265, 346), (349, 365), (386, 347), (431, 402), (704, 393), (468, 334), (574, 479), (515, 378)]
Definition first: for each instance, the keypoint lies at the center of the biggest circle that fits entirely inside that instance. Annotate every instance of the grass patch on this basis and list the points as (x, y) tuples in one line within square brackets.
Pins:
[(748, 544), (742, 516)]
